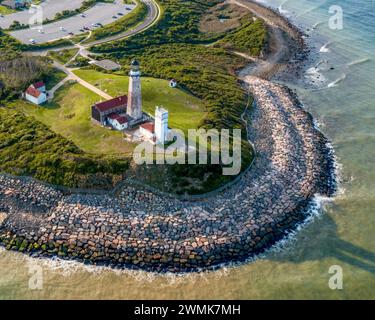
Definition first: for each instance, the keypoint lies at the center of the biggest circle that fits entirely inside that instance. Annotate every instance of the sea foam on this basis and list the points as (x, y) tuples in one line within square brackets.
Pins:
[(325, 49), (337, 81)]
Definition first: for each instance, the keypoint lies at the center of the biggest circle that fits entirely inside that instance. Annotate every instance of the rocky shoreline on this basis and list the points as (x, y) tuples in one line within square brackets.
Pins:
[(140, 229)]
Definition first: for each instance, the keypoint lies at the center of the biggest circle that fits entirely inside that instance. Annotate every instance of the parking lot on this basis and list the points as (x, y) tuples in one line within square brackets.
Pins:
[(49, 10), (101, 13)]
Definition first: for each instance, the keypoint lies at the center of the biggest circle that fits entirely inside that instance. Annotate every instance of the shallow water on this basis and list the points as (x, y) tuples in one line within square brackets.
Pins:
[(343, 103)]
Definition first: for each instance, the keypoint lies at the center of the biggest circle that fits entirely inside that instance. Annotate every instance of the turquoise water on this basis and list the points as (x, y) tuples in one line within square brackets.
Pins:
[(344, 100), (344, 106)]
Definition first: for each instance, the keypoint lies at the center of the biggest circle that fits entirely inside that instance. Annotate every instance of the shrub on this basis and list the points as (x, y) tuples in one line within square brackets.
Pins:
[(30, 148)]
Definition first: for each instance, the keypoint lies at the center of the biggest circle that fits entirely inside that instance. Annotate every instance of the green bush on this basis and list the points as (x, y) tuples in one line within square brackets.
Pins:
[(10, 48), (30, 148), (250, 38)]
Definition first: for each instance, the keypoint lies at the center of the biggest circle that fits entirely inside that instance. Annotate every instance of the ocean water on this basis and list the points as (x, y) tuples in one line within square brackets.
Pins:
[(341, 97)]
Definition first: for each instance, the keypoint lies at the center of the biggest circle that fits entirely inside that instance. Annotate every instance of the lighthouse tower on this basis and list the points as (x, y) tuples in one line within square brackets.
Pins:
[(161, 125), (134, 108)]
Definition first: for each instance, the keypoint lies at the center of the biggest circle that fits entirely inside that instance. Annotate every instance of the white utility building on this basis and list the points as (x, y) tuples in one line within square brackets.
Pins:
[(161, 125)]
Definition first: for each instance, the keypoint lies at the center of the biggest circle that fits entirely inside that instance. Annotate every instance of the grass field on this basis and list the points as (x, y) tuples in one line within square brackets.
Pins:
[(5, 10), (185, 110), (69, 115), (63, 56)]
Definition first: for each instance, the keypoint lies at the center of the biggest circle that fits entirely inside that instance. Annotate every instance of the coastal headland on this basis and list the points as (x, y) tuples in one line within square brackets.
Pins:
[(137, 228)]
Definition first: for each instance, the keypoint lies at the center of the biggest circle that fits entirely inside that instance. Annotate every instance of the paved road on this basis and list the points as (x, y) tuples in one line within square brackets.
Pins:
[(72, 76), (101, 13), (152, 16), (50, 8)]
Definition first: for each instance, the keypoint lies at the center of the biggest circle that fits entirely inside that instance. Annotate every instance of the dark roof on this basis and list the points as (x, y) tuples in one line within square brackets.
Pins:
[(111, 104), (38, 84), (33, 92), (118, 118), (149, 126), (122, 120), (114, 116)]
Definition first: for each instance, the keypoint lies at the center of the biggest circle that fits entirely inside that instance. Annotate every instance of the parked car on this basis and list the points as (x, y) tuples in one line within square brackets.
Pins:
[(114, 17), (71, 33), (83, 15), (120, 14), (32, 41)]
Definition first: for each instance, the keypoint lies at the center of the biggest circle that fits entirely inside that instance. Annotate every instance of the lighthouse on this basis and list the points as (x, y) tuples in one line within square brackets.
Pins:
[(134, 108)]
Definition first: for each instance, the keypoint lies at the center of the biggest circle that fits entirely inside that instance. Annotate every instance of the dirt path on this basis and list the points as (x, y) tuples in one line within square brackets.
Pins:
[(282, 40), (74, 77)]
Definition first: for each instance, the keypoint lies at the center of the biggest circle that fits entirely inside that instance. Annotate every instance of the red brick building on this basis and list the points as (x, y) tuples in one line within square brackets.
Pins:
[(101, 111)]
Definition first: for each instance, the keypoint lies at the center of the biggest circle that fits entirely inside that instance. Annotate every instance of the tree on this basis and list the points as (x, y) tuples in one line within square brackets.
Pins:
[(18, 73)]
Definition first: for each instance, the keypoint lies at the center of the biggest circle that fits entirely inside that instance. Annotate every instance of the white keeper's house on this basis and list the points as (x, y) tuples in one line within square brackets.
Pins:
[(118, 122), (36, 93)]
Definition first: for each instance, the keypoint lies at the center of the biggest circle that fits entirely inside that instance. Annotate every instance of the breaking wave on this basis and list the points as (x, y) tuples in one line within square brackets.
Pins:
[(337, 81), (314, 76), (360, 61), (315, 25), (325, 49)]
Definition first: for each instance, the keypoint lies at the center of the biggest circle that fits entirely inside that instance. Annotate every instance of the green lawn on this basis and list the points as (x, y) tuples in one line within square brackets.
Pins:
[(63, 56), (70, 115), (185, 110), (70, 112), (5, 10)]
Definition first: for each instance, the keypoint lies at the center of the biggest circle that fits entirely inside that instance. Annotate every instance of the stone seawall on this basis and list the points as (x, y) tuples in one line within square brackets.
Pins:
[(145, 230)]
